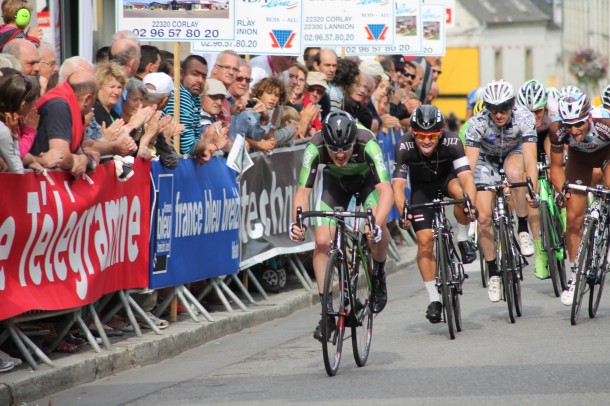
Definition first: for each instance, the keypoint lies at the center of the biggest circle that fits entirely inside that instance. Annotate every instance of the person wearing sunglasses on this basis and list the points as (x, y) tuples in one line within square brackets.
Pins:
[(503, 135), (434, 160), (353, 163), (585, 132)]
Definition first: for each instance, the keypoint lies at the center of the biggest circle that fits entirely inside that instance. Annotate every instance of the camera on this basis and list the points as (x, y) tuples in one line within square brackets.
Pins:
[(251, 103)]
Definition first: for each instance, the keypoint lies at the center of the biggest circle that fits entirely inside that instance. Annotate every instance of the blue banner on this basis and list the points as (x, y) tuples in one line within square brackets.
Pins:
[(388, 146), (195, 222)]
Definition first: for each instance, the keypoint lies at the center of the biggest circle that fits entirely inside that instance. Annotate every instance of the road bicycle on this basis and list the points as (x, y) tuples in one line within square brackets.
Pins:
[(552, 237), (350, 264), (509, 258), (449, 268), (592, 256)]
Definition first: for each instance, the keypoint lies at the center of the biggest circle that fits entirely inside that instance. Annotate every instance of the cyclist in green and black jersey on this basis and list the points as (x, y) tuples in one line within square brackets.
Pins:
[(353, 163)]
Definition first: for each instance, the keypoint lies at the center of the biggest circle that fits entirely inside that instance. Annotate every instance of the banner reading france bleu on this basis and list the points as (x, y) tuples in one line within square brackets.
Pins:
[(195, 222)]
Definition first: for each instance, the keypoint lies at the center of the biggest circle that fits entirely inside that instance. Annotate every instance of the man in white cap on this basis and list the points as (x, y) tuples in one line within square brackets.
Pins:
[(159, 87), (214, 132), (316, 89), (374, 69)]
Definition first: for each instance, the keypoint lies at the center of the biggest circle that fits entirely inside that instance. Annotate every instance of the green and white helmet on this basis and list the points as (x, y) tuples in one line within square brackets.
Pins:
[(532, 95)]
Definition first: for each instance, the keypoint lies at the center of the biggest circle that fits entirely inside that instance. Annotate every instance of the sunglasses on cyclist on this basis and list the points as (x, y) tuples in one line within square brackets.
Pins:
[(424, 135), (578, 124), (499, 108), (335, 149), (410, 75)]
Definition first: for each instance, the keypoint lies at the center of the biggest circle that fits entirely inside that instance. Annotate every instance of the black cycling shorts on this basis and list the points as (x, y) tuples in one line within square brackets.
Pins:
[(425, 192)]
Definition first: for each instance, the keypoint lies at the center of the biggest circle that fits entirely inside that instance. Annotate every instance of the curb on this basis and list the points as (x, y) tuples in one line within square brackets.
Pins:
[(24, 385)]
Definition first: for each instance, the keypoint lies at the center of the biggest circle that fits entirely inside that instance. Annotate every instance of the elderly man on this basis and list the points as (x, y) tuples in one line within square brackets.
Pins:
[(127, 53), (48, 65), (62, 111), (225, 70), (27, 55)]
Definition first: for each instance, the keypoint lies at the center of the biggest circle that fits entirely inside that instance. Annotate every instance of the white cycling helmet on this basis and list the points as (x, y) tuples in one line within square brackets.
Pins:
[(574, 108), (498, 92), (606, 97), (570, 90), (552, 93), (532, 95)]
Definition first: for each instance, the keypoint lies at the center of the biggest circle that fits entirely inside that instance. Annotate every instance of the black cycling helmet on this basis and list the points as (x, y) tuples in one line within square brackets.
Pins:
[(339, 129), (427, 118)]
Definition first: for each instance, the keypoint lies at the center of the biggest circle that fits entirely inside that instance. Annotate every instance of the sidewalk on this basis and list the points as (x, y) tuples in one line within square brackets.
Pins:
[(23, 385)]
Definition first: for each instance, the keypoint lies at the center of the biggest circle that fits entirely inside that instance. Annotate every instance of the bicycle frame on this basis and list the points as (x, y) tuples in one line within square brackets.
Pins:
[(449, 272)]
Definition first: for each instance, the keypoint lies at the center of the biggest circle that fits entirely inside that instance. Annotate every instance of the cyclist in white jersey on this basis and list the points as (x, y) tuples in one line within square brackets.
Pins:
[(502, 135), (586, 132)]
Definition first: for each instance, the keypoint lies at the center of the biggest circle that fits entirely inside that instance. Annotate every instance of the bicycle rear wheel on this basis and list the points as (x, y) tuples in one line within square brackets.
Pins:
[(584, 261), (442, 266), (547, 241), (333, 320), (362, 329), (504, 254)]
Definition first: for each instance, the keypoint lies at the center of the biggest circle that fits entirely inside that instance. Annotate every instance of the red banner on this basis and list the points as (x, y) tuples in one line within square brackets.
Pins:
[(65, 243)]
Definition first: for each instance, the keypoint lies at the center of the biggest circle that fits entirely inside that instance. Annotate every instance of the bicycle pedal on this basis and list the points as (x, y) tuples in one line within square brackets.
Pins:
[(465, 275)]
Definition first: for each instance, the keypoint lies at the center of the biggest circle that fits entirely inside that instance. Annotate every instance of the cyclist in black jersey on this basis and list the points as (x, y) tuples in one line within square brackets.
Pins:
[(353, 163), (434, 160)]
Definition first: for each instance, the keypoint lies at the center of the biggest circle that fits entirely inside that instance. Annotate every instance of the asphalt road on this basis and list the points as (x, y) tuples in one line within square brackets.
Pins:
[(541, 359)]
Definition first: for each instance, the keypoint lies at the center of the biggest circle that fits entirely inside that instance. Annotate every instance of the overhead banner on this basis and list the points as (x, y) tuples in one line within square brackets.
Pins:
[(272, 28), (343, 23), (407, 32), (65, 243), (267, 191), (177, 20), (195, 223)]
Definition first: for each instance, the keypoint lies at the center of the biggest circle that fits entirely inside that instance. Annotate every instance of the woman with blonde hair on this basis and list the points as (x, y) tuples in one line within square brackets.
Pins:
[(111, 80)]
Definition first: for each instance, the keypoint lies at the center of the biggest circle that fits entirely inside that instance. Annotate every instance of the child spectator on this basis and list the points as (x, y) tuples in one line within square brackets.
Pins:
[(17, 15)]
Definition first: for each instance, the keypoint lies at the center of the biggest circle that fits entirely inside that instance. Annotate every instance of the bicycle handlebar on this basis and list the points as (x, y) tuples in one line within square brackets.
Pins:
[(598, 190), (438, 202), (338, 214), (500, 185)]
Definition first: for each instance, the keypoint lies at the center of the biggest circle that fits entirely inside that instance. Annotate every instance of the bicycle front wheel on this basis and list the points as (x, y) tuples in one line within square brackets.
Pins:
[(560, 246), (584, 261), (442, 267), (362, 328), (333, 320), (504, 254), (516, 267), (548, 244), (600, 277)]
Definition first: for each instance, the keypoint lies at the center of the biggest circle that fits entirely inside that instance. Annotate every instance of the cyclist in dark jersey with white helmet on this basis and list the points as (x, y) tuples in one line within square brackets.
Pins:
[(353, 163), (503, 135), (434, 160), (586, 132)]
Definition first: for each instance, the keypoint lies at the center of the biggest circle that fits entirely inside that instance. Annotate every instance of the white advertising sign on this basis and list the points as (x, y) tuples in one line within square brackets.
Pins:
[(407, 32), (261, 27), (342, 23), (180, 20), (433, 29)]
